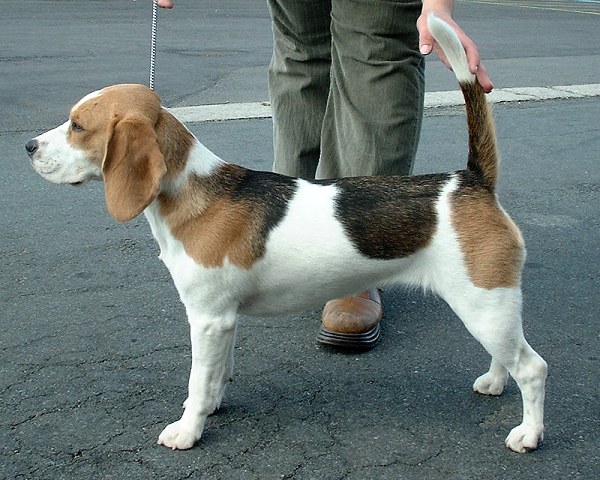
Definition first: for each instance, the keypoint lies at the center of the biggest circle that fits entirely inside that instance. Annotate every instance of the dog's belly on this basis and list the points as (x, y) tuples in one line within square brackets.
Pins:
[(300, 286)]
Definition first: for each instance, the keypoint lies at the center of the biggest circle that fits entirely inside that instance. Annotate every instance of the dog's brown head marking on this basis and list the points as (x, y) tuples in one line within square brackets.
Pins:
[(125, 131)]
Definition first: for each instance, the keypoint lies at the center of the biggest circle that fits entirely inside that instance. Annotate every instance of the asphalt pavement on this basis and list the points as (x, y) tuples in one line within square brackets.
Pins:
[(94, 348)]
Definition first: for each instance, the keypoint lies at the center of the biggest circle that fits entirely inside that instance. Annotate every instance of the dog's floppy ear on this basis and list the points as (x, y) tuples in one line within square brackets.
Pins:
[(132, 168)]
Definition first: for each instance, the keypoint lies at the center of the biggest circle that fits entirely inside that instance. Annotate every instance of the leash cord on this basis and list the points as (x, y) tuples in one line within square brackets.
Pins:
[(153, 44)]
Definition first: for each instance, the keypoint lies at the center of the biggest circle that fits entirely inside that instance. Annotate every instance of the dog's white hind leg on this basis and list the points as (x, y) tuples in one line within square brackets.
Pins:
[(212, 350), (529, 370), (492, 382), (494, 318)]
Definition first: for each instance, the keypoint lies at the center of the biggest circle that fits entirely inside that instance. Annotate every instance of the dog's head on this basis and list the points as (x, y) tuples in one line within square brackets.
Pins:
[(111, 136)]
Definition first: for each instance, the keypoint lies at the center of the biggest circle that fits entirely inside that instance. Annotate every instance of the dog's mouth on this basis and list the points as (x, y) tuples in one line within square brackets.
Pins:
[(77, 184)]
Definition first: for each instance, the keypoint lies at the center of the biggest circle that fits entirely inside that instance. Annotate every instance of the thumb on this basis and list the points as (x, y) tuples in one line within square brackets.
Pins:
[(426, 40), (427, 43)]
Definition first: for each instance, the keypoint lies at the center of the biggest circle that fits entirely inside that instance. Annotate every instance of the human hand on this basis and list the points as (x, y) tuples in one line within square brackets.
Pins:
[(427, 44), (165, 3)]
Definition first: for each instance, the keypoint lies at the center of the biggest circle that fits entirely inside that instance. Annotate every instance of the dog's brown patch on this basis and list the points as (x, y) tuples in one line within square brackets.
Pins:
[(228, 214), (491, 243)]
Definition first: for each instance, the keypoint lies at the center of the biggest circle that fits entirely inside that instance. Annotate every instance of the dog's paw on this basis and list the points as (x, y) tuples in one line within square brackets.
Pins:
[(489, 384), (524, 438), (179, 436)]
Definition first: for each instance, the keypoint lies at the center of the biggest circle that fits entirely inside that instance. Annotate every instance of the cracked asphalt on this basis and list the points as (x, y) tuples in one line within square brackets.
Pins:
[(94, 348)]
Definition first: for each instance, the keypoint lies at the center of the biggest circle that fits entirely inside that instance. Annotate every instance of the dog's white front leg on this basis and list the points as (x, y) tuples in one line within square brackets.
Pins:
[(212, 344)]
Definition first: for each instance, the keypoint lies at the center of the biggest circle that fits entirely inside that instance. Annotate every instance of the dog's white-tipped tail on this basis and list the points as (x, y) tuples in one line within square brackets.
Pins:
[(483, 153), (448, 40)]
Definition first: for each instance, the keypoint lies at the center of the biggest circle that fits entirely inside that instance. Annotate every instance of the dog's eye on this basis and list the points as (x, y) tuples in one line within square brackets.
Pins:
[(76, 127)]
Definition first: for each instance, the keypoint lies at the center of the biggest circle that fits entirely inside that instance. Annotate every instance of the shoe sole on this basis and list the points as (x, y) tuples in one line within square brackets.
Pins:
[(362, 341)]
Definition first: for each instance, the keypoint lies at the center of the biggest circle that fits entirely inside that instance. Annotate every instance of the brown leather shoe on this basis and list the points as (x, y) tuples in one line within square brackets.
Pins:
[(352, 322)]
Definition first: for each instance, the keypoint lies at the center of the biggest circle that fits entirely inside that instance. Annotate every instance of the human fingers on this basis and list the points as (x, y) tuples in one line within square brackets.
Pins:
[(427, 44), (475, 65), (484, 79)]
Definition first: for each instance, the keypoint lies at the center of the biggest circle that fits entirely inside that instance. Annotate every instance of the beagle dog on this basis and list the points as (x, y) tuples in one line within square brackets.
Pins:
[(237, 240)]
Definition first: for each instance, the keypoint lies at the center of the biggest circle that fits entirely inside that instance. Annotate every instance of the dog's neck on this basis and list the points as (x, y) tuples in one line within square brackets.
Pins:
[(184, 156)]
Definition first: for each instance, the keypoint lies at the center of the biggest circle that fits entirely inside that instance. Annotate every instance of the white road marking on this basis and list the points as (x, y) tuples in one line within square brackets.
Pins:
[(253, 110)]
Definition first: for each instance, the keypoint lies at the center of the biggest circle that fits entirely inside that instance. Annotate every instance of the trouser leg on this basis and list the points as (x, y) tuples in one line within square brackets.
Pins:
[(299, 82), (373, 117)]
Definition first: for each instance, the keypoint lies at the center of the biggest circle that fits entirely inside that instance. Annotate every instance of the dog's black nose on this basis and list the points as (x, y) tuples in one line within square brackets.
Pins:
[(31, 146)]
